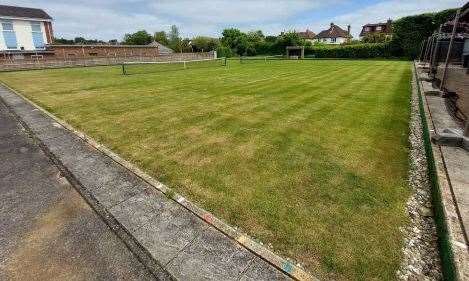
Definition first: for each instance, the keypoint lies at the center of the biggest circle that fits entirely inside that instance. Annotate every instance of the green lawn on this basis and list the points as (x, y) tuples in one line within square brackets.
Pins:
[(309, 156)]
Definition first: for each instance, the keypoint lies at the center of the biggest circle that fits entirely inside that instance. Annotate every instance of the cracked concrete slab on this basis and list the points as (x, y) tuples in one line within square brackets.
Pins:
[(168, 233), (211, 256)]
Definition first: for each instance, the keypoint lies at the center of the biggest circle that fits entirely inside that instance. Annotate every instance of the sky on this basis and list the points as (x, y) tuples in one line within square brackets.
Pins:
[(111, 19)]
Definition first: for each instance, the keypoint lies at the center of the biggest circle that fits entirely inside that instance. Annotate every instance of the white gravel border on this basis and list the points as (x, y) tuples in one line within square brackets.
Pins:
[(421, 260)]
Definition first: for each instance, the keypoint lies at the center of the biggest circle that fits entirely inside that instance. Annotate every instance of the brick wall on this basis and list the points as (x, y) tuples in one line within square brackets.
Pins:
[(49, 32), (101, 51)]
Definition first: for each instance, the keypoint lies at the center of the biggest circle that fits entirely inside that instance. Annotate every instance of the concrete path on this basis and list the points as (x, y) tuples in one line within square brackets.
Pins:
[(47, 230), (170, 239), (452, 170)]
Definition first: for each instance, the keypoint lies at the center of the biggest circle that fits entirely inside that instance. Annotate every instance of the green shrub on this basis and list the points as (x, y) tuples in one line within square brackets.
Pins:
[(223, 51), (409, 32), (362, 51)]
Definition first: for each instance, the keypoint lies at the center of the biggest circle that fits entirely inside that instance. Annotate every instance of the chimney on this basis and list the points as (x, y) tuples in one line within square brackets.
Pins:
[(332, 24), (348, 29)]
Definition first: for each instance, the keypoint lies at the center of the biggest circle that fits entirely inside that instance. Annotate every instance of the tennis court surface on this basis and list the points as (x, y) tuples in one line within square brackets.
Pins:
[(309, 157)]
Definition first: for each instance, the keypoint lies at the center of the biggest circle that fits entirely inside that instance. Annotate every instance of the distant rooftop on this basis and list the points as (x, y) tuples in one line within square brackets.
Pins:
[(23, 12), (308, 34), (161, 48), (334, 31)]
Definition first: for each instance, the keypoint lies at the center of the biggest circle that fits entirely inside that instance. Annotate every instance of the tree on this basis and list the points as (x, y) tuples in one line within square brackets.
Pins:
[(231, 36), (175, 41), (203, 43), (161, 37), (376, 38), (285, 39), (138, 38), (236, 40), (409, 32), (79, 40), (255, 37), (63, 41)]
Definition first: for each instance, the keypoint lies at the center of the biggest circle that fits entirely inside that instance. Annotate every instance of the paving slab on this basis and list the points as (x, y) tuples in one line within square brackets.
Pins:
[(136, 211), (118, 190), (424, 77), (174, 238), (47, 230), (211, 256), (168, 233), (261, 270), (428, 89)]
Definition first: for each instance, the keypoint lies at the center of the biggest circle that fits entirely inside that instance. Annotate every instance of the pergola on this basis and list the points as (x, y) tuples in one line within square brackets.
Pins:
[(297, 51)]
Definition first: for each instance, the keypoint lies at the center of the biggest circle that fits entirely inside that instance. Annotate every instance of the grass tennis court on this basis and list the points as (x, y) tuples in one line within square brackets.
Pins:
[(308, 156)]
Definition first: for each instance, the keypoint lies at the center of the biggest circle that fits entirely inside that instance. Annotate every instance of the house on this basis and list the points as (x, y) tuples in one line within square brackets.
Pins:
[(307, 35), (384, 28), (24, 30), (162, 49), (334, 35)]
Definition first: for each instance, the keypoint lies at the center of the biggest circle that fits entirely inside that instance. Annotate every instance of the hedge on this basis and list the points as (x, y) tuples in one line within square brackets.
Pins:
[(366, 50)]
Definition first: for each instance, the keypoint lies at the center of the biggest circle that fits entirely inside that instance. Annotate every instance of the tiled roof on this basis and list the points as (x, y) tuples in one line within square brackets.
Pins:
[(22, 12), (333, 32), (308, 34), (386, 28), (162, 49)]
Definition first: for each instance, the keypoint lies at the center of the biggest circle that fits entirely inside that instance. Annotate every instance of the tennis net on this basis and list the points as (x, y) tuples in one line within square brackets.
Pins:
[(260, 59), (141, 67)]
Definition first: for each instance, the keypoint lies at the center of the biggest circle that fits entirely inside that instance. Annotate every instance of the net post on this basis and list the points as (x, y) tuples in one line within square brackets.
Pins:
[(123, 69), (224, 61), (185, 65)]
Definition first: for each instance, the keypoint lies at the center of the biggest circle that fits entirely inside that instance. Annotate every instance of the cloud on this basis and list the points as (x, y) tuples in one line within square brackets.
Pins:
[(393, 9), (235, 12), (111, 19)]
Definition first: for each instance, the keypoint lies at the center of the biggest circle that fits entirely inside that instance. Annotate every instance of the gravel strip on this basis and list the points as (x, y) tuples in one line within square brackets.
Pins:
[(421, 259)]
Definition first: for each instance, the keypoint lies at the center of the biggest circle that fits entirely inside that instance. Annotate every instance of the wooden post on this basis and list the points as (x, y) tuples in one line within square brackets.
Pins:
[(432, 50), (427, 49), (435, 49), (83, 53), (448, 55), (422, 47)]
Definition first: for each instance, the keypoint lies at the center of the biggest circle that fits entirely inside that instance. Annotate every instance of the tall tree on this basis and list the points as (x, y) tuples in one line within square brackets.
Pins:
[(161, 37), (203, 43), (138, 38), (236, 40), (175, 41)]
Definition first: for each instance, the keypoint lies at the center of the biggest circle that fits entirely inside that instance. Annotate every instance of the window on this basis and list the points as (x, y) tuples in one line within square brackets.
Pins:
[(9, 35), (333, 40), (378, 28), (367, 28), (38, 38)]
